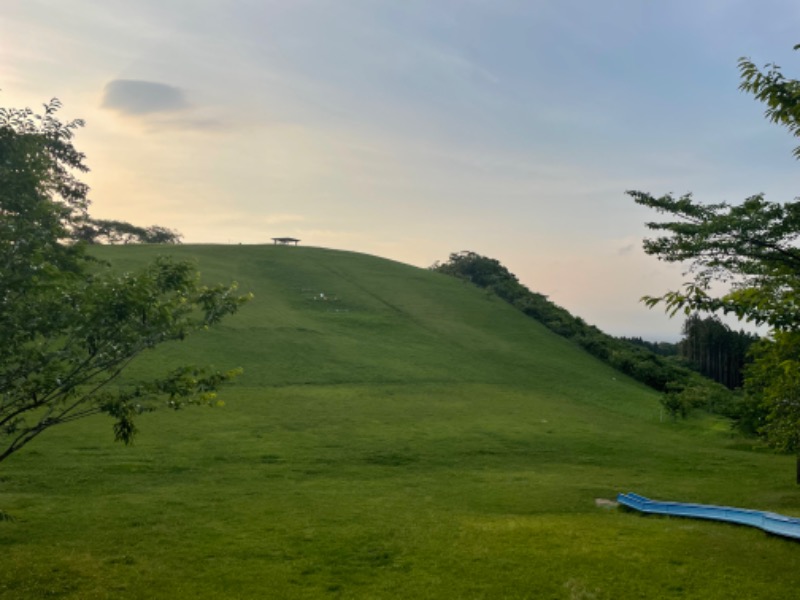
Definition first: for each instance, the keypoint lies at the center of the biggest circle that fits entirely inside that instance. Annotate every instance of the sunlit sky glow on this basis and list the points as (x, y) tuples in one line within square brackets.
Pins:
[(414, 129)]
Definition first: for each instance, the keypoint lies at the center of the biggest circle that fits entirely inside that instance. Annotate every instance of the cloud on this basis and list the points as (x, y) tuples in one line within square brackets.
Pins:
[(196, 124), (135, 97), (160, 106)]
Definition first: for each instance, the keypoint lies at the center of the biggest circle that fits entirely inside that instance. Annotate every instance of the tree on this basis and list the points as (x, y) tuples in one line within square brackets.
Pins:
[(716, 350), (751, 249), (105, 231), (69, 326), (781, 95), (774, 383)]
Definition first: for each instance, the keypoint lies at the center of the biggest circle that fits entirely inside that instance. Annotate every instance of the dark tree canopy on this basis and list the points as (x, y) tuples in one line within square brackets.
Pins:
[(716, 350), (105, 231)]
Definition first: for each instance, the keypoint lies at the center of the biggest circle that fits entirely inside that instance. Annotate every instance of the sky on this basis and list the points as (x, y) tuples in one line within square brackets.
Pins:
[(412, 129)]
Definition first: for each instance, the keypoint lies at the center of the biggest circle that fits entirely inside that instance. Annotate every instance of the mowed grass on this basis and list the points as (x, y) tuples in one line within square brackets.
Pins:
[(397, 434)]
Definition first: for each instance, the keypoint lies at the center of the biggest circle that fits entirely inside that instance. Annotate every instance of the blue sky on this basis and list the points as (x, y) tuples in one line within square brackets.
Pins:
[(414, 129)]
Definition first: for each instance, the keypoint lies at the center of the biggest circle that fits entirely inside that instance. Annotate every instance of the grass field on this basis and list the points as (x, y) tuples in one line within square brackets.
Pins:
[(396, 434)]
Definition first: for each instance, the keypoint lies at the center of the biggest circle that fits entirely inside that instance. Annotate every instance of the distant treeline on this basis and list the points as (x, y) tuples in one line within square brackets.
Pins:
[(708, 346), (715, 350), (660, 348), (105, 231), (657, 365)]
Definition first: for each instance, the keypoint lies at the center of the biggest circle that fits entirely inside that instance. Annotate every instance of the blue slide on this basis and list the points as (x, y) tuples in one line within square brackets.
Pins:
[(769, 522)]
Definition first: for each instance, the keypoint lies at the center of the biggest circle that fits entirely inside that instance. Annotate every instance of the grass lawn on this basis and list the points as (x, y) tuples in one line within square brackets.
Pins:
[(397, 434)]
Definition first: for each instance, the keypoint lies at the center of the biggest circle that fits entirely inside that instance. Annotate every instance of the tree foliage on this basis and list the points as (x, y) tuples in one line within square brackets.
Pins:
[(773, 88), (750, 251), (716, 350), (68, 324), (773, 385), (106, 231), (750, 247), (661, 348)]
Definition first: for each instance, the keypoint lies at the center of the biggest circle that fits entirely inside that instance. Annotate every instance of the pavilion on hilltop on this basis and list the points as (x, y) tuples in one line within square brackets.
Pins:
[(285, 241)]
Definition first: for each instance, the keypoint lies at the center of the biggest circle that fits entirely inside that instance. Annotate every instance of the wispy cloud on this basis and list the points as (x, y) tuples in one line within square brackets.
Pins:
[(243, 220), (159, 106)]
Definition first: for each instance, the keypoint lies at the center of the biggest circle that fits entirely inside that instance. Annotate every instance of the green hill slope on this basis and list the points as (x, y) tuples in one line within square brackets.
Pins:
[(330, 317), (397, 434)]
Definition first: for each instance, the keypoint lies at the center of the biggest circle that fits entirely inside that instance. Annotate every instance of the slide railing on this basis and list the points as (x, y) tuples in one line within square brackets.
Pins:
[(769, 522)]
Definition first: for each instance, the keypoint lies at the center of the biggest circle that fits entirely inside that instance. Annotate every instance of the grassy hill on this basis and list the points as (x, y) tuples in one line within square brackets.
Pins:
[(397, 434)]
